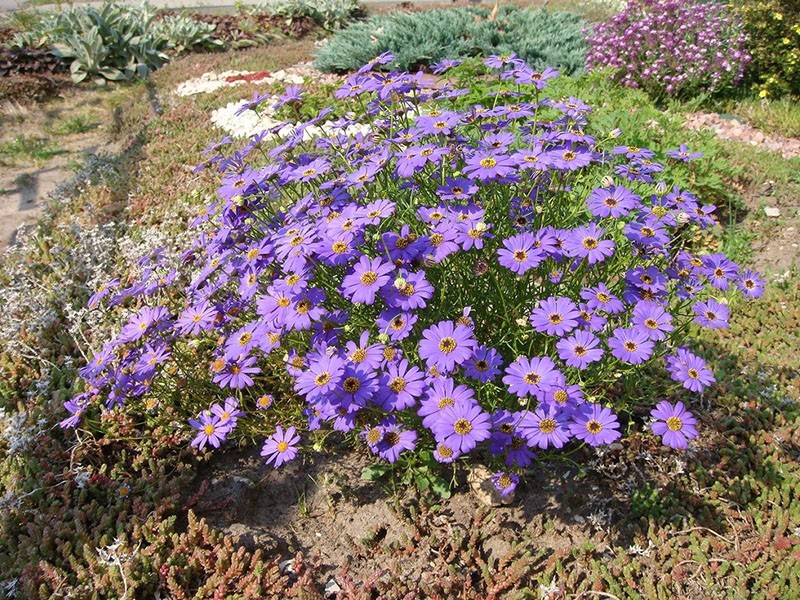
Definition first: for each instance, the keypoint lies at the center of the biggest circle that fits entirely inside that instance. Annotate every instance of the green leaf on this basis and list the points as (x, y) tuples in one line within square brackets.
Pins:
[(375, 471)]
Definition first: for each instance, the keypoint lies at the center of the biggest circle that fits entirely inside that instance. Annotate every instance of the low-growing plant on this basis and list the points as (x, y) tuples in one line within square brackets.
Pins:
[(457, 284), (418, 39), (773, 40), (114, 42), (328, 14), (671, 47)]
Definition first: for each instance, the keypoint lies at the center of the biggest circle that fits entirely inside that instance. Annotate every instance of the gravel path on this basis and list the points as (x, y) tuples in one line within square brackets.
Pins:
[(729, 128)]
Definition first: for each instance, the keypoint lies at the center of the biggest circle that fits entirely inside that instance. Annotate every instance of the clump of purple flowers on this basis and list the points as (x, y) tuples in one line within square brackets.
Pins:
[(460, 282), (671, 47)]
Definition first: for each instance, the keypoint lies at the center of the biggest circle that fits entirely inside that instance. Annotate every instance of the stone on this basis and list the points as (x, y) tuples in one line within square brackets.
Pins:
[(480, 481), (771, 211)]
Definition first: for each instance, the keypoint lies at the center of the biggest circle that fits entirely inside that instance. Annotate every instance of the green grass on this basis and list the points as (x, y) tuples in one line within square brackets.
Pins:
[(76, 124), (776, 117), (28, 148)]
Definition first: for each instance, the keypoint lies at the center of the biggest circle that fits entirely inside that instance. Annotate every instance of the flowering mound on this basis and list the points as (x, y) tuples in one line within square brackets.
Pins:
[(462, 281), (672, 47)]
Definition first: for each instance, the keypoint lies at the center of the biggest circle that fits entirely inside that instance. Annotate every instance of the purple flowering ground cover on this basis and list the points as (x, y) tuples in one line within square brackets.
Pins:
[(624, 516)]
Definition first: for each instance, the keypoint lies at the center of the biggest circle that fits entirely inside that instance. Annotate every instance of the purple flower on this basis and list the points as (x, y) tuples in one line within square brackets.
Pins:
[(555, 316), (711, 314), (546, 427), (505, 483), (531, 376), (486, 165), (751, 284), (631, 345), (446, 345), (595, 425), (368, 276), (600, 298), (401, 385), (235, 373), (689, 370), (683, 154), (281, 446), (442, 393), (520, 254), (674, 424), (396, 324), (653, 320), (484, 365), (461, 426), (321, 378), (612, 202), (394, 441), (585, 242), (579, 350), (209, 430)]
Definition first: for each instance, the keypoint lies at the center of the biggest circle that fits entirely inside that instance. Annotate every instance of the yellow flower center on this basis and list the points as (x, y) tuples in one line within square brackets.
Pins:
[(282, 447), (532, 378), (351, 385), (369, 277), (447, 345), (555, 318), (674, 423), (520, 256), (358, 355), (462, 427), (397, 385), (547, 425), (322, 379), (590, 243), (488, 163), (446, 401), (594, 426)]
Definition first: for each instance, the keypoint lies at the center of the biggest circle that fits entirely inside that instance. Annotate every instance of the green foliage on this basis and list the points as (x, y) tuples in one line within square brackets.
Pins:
[(328, 14), (114, 42), (27, 148), (540, 37), (773, 31), (181, 33)]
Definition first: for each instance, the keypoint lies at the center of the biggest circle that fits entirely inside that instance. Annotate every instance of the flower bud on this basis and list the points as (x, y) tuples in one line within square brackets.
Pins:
[(607, 181)]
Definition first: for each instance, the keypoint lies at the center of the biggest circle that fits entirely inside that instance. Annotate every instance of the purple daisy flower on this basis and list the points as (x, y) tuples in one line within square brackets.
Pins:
[(446, 345), (690, 370), (585, 242), (396, 324), (368, 276), (409, 292), (209, 430), (674, 424), (531, 376), (443, 392), (281, 446), (595, 425), (653, 320), (612, 202), (445, 454), (457, 189), (751, 284), (486, 165), (579, 350), (505, 483), (401, 385), (555, 316), (484, 365), (546, 427), (631, 345), (321, 378), (394, 441), (235, 373), (683, 154), (461, 426), (711, 314), (600, 298), (520, 253)]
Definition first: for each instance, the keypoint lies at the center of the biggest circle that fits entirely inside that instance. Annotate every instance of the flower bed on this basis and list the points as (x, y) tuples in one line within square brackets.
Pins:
[(459, 283)]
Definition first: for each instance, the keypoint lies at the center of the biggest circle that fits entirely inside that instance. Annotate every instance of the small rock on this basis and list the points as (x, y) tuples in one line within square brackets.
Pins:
[(480, 480), (771, 211), (331, 589), (287, 567), (579, 519)]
